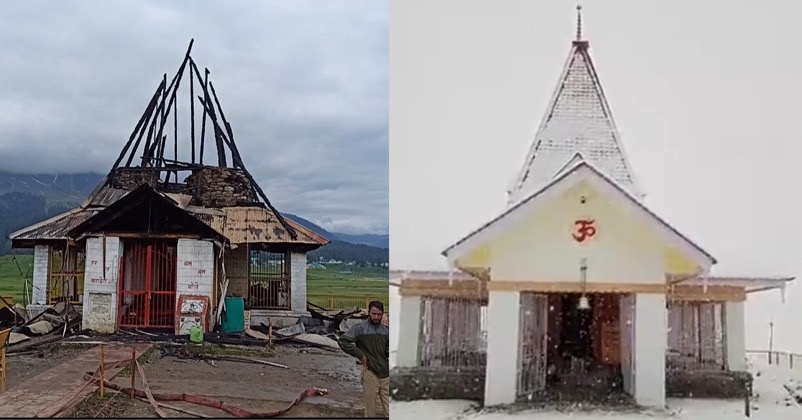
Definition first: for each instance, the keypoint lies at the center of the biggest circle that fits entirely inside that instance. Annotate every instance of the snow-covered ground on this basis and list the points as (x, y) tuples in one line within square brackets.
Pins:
[(773, 401)]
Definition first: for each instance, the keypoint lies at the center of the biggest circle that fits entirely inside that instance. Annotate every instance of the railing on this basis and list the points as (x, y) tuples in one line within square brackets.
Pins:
[(75, 287), (792, 361), (268, 293), (332, 302)]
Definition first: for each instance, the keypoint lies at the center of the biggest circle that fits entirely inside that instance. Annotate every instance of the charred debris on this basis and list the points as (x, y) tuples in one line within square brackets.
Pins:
[(62, 323)]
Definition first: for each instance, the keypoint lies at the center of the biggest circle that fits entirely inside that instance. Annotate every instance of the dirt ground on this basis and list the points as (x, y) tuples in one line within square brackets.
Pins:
[(256, 388)]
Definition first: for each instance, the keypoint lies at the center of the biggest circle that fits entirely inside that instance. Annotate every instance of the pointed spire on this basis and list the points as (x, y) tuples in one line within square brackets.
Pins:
[(578, 125)]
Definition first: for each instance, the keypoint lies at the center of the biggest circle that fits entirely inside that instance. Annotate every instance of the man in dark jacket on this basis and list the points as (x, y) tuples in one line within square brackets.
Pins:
[(369, 342)]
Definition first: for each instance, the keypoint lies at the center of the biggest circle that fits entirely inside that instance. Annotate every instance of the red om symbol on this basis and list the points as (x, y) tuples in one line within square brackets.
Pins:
[(584, 230)]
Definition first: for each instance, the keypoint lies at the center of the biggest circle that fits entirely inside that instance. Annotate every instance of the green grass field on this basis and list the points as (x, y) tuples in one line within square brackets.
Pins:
[(11, 281), (339, 286), (347, 286)]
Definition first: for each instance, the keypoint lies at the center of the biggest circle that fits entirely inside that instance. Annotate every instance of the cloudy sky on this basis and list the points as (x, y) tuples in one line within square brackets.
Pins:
[(706, 95), (303, 83)]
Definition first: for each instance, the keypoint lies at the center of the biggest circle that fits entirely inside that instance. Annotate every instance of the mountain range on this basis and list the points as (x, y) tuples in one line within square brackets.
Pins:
[(28, 199)]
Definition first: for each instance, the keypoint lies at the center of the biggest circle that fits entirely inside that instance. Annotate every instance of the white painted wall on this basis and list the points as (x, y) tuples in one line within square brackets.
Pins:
[(195, 272), (195, 268), (735, 336), (541, 246), (298, 281), (100, 284), (40, 274), (408, 324), (395, 323), (502, 347), (651, 328)]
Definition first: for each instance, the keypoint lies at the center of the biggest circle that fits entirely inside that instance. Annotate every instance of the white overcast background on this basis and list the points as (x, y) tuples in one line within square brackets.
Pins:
[(707, 96), (303, 83)]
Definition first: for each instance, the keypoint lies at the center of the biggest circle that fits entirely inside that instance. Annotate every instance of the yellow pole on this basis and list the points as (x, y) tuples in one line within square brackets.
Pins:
[(3, 367), (102, 370), (133, 374)]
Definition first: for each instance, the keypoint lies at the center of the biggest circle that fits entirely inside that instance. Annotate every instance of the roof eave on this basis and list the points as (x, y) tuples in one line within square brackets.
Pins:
[(703, 258)]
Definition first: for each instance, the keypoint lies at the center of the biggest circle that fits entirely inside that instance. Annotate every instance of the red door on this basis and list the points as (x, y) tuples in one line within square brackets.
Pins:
[(147, 282)]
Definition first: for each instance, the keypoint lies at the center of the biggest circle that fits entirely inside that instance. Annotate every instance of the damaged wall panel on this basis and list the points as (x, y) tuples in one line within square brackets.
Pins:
[(100, 287), (195, 268), (298, 281), (41, 271), (237, 271)]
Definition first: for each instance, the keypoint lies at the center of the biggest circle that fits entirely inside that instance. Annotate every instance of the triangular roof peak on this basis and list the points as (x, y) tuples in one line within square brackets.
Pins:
[(578, 120)]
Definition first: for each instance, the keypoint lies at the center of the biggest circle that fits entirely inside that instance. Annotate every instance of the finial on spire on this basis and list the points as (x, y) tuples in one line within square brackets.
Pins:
[(578, 22)]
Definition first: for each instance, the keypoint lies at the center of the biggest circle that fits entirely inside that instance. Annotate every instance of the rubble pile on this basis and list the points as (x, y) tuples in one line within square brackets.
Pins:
[(341, 320), (126, 179), (219, 187), (52, 324)]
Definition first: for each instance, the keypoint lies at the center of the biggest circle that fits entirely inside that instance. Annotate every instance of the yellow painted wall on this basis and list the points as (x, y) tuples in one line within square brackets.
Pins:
[(540, 247)]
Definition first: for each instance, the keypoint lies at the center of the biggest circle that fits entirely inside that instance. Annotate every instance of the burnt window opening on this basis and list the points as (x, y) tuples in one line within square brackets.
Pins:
[(268, 279), (65, 280)]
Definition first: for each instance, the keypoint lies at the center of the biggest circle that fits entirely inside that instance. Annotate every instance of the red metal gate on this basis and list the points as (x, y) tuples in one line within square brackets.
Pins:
[(148, 277)]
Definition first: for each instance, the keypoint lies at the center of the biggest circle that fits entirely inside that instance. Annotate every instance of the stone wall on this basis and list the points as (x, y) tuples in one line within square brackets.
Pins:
[(219, 187), (418, 383), (707, 384), (128, 179)]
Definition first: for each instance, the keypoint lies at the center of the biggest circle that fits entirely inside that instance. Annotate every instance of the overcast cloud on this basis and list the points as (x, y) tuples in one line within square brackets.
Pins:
[(705, 93), (303, 83)]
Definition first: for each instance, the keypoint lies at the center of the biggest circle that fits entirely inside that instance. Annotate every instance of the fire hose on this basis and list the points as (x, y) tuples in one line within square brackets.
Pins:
[(220, 405)]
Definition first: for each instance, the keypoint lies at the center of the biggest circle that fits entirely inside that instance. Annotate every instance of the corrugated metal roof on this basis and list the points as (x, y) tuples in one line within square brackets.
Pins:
[(104, 196), (239, 224), (256, 225), (55, 227)]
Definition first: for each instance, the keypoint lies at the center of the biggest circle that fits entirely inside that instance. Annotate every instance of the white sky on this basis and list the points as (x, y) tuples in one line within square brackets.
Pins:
[(707, 96)]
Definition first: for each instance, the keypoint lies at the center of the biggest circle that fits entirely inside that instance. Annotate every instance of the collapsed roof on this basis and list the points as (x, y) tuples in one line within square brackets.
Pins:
[(221, 193)]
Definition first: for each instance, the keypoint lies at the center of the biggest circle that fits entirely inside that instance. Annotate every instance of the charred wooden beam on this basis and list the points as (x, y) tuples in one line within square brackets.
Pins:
[(221, 152), (171, 166), (192, 111), (256, 187), (160, 157), (170, 104), (203, 119), (216, 124), (171, 90), (148, 122), (175, 129), (138, 129), (235, 156), (152, 143)]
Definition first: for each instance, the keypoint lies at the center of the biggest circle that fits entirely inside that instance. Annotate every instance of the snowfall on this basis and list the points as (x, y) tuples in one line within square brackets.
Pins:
[(777, 395), (777, 390)]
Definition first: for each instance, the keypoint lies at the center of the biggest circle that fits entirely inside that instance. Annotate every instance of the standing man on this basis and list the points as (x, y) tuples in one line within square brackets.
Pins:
[(369, 342)]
